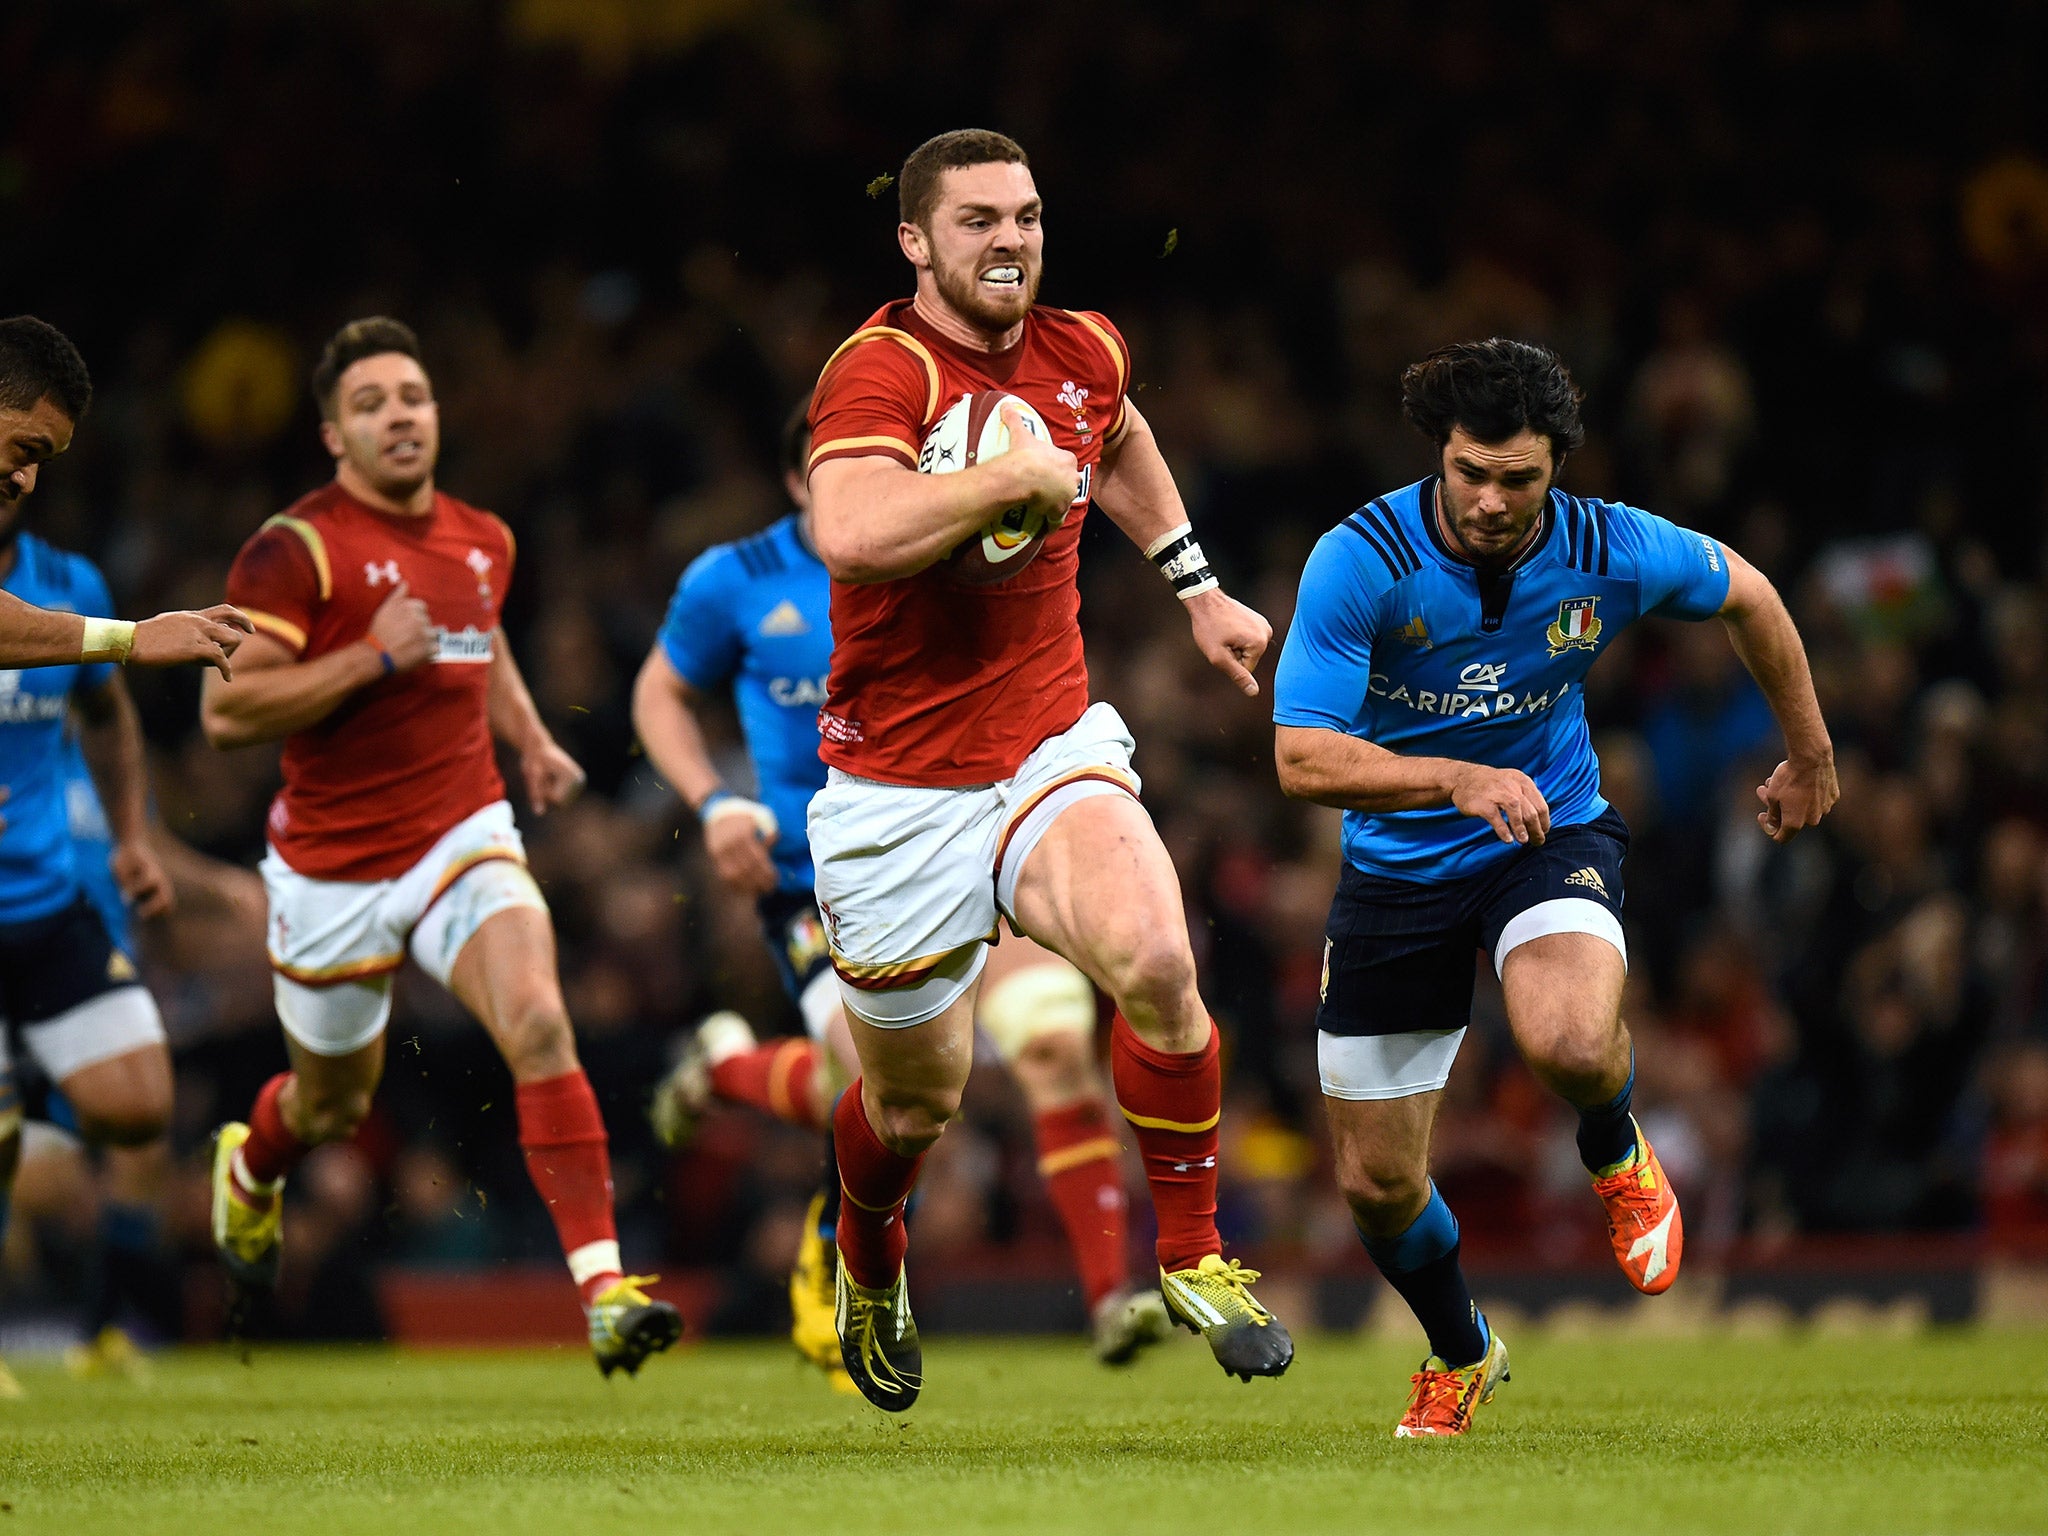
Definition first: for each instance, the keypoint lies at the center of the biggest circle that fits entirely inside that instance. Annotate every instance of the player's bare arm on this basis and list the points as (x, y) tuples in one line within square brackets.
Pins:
[(665, 717), (36, 637), (1335, 769), (552, 776), (110, 734), (276, 694), (1803, 788), (876, 520), (1136, 490)]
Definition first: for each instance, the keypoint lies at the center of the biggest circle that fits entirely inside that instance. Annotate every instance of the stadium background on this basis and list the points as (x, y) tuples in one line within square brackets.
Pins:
[(1797, 255)]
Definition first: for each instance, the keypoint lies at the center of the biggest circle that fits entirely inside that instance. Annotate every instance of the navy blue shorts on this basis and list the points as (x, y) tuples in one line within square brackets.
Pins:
[(796, 938), (1398, 954)]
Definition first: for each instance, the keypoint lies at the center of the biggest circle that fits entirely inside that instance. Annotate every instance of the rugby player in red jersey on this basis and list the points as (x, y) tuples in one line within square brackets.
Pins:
[(379, 659), (970, 778)]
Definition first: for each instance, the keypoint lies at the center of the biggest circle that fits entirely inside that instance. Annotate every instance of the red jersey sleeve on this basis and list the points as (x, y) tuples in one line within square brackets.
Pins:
[(876, 395), (1118, 369), (280, 579)]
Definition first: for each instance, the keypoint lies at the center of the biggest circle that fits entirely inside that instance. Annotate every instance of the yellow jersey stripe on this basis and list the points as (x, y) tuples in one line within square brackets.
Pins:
[(1186, 1127), (1116, 353), (281, 629), (315, 545), (327, 976), (843, 444), (903, 338)]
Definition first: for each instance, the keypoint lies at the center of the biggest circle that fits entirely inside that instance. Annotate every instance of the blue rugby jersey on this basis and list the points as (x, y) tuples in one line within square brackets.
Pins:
[(1396, 640), (92, 847), (758, 614), (38, 873)]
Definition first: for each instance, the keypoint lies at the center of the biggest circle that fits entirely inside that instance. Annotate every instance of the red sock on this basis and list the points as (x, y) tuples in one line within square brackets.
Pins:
[(874, 1183), (1173, 1104), (568, 1158), (1078, 1159), (271, 1151), (774, 1078)]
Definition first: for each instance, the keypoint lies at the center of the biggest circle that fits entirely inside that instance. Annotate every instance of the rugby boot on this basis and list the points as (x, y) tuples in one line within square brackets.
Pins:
[(1126, 1322), (249, 1235), (627, 1325), (110, 1353), (1643, 1222), (814, 1297), (1444, 1397), (878, 1342), (1215, 1300), (681, 1098)]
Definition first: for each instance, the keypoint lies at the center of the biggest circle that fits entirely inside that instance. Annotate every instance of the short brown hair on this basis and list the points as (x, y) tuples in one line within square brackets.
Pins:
[(917, 188), (371, 336)]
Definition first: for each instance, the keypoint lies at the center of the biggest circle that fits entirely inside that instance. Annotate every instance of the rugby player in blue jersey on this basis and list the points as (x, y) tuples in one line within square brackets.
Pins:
[(755, 616), (1432, 687)]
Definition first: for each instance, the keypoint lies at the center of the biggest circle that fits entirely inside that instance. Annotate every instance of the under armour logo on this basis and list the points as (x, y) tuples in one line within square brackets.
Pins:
[(1207, 1162), (375, 572)]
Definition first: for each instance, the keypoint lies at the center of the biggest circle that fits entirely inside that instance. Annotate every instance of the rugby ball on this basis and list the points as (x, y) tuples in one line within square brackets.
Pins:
[(971, 431)]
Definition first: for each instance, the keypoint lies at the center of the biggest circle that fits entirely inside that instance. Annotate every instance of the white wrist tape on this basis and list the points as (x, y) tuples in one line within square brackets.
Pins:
[(1181, 561), (107, 640), (739, 805)]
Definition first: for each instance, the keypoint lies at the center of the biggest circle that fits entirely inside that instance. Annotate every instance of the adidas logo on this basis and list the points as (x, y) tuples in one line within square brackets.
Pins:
[(785, 618), (1588, 877), (1415, 633)]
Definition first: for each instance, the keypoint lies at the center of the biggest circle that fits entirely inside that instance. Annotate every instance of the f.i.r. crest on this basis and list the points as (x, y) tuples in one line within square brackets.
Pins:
[(1576, 627)]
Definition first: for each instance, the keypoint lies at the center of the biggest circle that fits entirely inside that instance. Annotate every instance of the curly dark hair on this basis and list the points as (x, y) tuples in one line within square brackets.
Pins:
[(1493, 389), (38, 362), (917, 187), (369, 337)]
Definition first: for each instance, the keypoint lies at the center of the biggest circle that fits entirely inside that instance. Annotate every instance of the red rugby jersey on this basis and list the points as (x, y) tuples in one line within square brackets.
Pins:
[(372, 787), (934, 681)]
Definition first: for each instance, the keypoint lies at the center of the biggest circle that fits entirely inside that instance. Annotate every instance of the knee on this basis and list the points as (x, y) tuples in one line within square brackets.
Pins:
[(1384, 1198), (1578, 1057), (1155, 970), (537, 1040), (907, 1123), (330, 1113)]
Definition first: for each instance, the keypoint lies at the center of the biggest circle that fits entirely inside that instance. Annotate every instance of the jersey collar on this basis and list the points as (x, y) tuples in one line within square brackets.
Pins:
[(1436, 535)]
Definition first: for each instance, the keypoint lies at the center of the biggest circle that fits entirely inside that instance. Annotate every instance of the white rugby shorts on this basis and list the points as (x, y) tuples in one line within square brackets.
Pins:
[(334, 944), (912, 881)]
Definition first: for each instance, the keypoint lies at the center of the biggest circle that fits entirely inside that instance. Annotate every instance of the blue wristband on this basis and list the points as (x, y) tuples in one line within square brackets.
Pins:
[(712, 799), (390, 661)]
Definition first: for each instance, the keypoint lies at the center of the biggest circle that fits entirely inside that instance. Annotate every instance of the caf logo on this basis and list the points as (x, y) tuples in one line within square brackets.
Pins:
[(1576, 627)]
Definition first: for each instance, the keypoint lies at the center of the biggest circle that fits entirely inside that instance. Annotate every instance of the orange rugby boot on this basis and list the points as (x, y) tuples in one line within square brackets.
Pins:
[(1643, 1222), (1444, 1398)]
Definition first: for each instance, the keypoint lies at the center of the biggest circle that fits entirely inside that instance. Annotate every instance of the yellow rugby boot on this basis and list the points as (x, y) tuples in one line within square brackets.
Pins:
[(1643, 1224), (249, 1234), (1444, 1398), (813, 1300), (110, 1353), (878, 1342), (1215, 1300), (627, 1325)]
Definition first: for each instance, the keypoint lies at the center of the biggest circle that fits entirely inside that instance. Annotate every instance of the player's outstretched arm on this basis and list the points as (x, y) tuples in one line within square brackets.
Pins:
[(110, 735), (552, 776), (1337, 769), (36, 637), (1803, 788), (875, 520), (737, 832), (1136, 490), (274, 693)]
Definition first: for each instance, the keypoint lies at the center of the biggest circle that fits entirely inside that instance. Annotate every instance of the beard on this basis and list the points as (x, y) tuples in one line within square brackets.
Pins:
[(960, 286)]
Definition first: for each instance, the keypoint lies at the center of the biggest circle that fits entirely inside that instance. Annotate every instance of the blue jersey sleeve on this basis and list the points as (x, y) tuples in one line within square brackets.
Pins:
[(1681, 574), (95, 602), (700, 637), (1326, 664)]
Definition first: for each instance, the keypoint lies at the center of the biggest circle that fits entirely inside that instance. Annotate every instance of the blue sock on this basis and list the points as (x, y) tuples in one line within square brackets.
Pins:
[(1422, 1265), (1607, 1133)]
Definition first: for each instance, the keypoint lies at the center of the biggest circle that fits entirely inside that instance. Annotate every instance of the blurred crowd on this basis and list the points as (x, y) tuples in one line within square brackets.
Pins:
[(1797, 255)]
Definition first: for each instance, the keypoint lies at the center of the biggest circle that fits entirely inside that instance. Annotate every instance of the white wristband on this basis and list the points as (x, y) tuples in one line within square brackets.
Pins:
[(107, 640), (740, 805)]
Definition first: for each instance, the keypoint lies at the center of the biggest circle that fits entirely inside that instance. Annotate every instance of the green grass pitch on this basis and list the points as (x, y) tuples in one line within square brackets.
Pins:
[(1942, 1433)]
